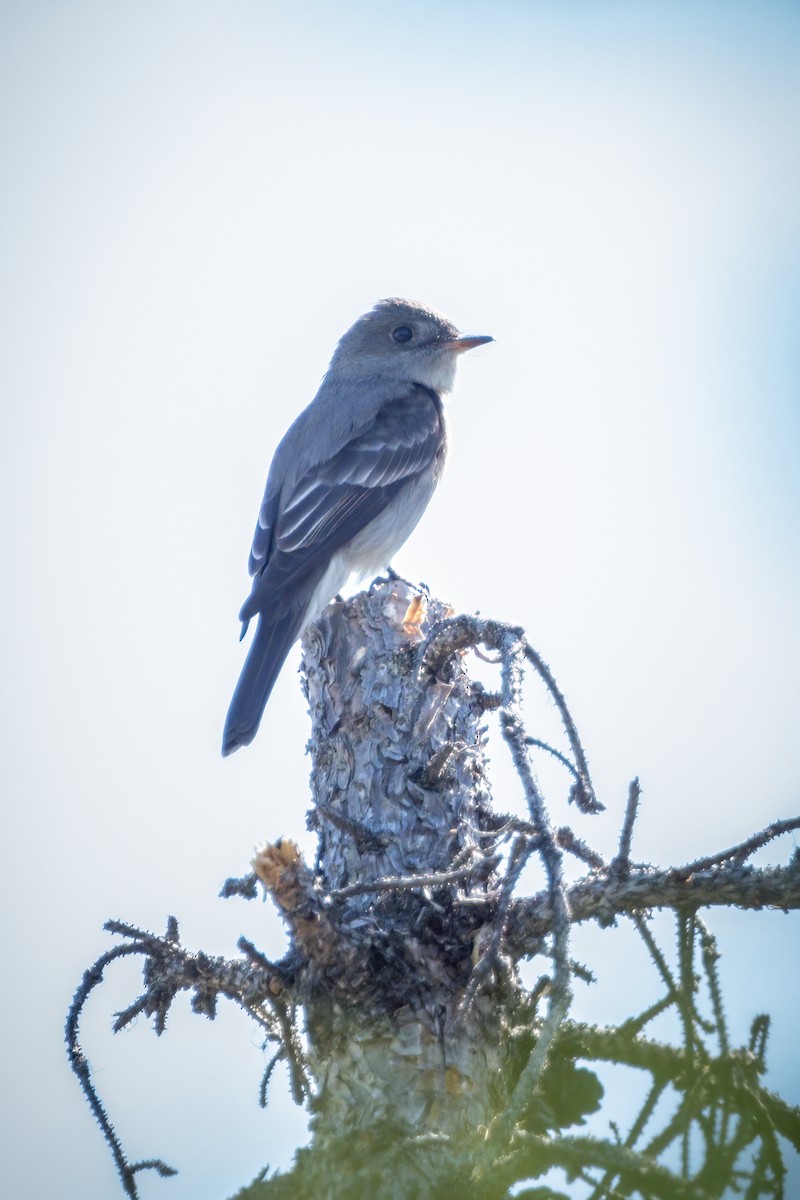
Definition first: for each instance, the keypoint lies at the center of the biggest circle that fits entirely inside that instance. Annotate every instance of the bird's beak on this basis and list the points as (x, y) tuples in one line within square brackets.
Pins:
[(460, 344)]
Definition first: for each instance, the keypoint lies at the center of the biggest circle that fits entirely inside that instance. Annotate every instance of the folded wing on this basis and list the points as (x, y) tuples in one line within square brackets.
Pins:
[(298, 533)]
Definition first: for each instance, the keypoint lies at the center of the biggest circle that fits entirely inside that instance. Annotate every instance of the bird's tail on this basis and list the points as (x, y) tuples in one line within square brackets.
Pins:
[(272, 642)]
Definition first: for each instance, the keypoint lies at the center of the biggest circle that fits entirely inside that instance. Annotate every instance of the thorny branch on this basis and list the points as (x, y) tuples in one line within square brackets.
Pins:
[(603, 898), (127, 1171), (256, 985), (461, 633), (514, 928), (446, 640)]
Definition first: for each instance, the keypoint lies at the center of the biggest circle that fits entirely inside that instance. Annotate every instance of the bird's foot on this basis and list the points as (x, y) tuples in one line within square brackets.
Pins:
[(392, 576)]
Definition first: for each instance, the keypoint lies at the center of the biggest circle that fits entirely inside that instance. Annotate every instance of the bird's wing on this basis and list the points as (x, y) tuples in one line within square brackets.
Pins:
[(298, 532), (264, 536)]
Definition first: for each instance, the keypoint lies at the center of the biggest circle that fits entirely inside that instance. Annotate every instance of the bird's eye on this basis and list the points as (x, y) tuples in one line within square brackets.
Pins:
[(403, 333)]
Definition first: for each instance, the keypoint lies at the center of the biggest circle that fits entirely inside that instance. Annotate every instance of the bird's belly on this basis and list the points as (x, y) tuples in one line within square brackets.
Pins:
[(376, 545), (373, 548)]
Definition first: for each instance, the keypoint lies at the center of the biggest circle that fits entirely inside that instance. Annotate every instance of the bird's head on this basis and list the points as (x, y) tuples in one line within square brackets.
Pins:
[(407, 341)]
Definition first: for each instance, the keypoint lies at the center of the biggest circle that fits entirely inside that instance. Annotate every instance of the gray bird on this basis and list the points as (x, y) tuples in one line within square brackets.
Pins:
[(348, 483)]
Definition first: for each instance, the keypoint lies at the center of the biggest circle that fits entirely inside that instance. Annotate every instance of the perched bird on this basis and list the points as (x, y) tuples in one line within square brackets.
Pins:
[(348, 483)]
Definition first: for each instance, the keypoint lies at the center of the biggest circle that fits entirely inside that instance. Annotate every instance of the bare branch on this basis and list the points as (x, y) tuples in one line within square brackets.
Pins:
[(621, 864), (601, 898), (740, 852), (80, 1065), (431, 879), (456, 634), (582, 792)]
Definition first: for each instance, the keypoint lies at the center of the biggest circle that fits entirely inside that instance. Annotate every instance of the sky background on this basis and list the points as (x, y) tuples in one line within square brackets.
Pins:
[(197, 200)]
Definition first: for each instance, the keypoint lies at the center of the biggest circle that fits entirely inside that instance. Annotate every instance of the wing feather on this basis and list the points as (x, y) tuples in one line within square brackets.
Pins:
[(330, 504)]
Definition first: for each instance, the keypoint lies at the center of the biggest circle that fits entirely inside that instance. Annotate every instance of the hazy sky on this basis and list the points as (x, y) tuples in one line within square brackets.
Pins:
[(197, 200)]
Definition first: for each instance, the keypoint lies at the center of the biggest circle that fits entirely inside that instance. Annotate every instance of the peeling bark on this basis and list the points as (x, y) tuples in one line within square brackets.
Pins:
[(400, 787)]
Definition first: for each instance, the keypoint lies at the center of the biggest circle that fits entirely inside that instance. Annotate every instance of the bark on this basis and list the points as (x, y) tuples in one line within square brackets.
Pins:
[(429, 1070), (400, 787)]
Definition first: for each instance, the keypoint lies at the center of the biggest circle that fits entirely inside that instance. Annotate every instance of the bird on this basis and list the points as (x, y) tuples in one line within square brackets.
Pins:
[(348, 483)]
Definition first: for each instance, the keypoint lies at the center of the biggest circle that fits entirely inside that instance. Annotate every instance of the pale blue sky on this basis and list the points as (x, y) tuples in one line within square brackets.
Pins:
[(197, 200)]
